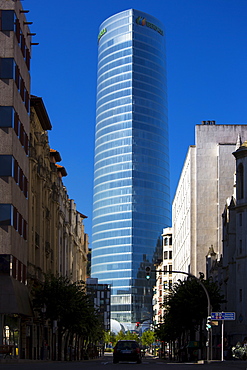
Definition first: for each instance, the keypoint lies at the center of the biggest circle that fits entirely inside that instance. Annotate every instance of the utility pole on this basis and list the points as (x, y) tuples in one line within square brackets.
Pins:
[(148, 270)]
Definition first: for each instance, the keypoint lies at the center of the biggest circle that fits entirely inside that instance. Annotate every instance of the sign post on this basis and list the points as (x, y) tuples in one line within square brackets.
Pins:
[(222, 316), (209, 343)]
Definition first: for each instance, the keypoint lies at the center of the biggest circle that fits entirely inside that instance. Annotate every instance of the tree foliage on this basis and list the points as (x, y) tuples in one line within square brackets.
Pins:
[(148, 338), (70, 306), (187, 306), (127, 336), (110, 338)]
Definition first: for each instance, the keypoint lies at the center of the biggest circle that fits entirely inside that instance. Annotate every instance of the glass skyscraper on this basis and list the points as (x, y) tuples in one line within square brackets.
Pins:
[(131, 173)]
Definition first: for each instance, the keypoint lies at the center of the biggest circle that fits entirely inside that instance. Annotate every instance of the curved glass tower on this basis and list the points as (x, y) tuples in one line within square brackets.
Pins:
[(131, 174)]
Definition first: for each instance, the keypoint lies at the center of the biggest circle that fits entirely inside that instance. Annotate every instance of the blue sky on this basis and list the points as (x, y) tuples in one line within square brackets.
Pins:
[(206, 43)]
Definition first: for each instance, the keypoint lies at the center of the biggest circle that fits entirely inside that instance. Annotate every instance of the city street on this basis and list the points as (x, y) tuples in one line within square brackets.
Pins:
[(149, 363)]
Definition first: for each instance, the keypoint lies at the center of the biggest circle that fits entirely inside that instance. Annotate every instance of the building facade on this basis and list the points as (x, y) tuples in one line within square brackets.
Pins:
[(41, 230), (229, 271), (205, 184), (57, 243), (131, 173), (15, 51), (101, 298), (163, 277)]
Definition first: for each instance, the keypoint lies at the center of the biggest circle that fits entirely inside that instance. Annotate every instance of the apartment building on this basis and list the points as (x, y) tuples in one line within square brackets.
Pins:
[(204, 185), (40, 228), (101, 298), (15, 51), (163, 277), (57, 242)]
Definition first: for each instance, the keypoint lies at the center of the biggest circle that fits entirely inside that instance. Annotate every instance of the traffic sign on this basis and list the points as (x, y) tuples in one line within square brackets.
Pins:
[(222, 315)]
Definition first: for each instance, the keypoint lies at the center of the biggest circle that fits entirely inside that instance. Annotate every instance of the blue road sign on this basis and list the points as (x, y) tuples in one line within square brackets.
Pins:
[(223, 316)]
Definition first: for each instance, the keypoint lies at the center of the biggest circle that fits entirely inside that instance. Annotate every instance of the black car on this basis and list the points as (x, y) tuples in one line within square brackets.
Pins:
[(127, 350)]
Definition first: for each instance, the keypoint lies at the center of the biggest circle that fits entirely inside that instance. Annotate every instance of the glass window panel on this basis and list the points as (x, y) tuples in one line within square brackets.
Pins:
[(7, 21), (5, 263), (5, 214), (6, 165), (6, 116), (7, 68)]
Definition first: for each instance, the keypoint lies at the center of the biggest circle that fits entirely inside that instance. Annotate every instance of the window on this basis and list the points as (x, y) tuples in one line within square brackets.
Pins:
[(6, 165), (9, 118), (165, 255), (6, 116), (10, 167), (166, 241), (20, 224), (240, 246), (15, 219), (7, 20), (7, 68), (170, 255), (240, 295), (170, 268), (5, 263), (9, 216), (5, 214), (240, 219), (14, 267), (37, 239), (240, 181)]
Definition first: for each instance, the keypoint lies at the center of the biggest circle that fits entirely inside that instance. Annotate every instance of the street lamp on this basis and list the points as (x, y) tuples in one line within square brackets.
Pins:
[(148, 270), (43, 310)]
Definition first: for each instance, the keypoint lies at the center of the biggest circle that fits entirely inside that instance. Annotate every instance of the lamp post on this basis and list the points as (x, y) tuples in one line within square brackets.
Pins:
[(43, 310), (148, 270)]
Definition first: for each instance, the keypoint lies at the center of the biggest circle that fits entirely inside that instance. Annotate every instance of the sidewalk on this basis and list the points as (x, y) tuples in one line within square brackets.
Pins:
[(231, 364)]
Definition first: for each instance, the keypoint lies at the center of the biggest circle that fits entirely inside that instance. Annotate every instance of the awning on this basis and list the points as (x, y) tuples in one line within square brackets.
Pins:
[(14, 297)]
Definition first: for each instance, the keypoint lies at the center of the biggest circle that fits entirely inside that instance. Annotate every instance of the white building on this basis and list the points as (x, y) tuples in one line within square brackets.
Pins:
[(230, 272), (163, 279), (205, 184)]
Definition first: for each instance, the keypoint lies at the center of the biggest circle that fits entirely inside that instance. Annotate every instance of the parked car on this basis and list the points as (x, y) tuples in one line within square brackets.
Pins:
[(127, 350)]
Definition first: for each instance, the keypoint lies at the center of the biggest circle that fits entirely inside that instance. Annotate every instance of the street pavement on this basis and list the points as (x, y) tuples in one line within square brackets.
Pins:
[(148, 363)]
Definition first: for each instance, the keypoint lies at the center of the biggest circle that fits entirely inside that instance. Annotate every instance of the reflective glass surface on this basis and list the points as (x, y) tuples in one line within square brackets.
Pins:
[(131, 173)]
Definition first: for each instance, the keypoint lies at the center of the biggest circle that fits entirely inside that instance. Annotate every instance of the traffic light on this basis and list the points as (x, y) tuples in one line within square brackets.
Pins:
[(137, 325), (148, 271), (208, 324)]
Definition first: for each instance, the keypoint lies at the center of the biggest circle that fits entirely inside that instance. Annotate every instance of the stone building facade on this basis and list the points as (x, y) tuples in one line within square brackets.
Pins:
[(57, 241), (204, 185), (41, 231), (229, 271)]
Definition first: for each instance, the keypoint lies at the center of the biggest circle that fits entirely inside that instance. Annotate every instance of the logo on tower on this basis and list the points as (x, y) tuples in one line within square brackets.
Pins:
[(102, 32), (143, 22)]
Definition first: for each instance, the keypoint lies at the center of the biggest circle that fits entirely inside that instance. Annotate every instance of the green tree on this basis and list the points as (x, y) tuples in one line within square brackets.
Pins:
[(186, 307), (120, 335), (132, 336), (70, 306), (127, 336), (110, 338), (148, 337)]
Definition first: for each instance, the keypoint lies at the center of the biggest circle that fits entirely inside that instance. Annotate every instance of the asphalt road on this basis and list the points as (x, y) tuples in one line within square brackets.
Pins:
[(103, 363)]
